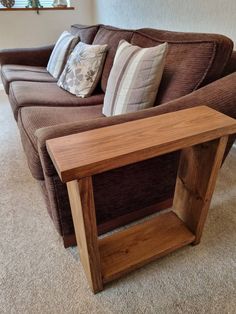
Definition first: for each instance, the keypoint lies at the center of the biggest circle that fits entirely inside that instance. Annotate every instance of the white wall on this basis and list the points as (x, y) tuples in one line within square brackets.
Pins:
[(215, 16), (27, 29)]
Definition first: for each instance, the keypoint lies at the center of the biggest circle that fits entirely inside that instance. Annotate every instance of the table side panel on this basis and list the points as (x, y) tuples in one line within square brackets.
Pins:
[(195, 183)]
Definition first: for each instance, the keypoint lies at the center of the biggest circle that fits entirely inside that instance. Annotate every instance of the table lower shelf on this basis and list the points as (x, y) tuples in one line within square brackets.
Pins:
[(130, 249)]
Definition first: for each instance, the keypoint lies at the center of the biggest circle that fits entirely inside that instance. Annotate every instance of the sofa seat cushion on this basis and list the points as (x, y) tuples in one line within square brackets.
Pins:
[(20, 67), (12, 72), (28, 94), (31, 119)]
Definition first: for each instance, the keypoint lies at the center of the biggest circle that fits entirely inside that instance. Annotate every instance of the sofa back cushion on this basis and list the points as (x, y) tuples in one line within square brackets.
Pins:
[(193, 59), (110, 36), (86, 33)]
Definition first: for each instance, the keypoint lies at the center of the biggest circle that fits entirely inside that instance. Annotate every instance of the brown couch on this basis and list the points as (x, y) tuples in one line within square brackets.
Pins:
[(200, 69)]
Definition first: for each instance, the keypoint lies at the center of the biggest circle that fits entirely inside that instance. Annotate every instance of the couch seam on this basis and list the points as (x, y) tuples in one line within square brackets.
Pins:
[(228, 58), (19, 70), (86, 27), (116, 29), (23, 127), (11, 91), (208, 67), (174, 41)]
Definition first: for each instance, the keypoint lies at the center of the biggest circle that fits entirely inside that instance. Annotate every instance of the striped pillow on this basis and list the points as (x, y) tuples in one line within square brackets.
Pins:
[(60, 53), (134, 78)]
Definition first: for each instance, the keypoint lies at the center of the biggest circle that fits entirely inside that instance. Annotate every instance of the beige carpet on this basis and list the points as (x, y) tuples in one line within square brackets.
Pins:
[(37, 275)]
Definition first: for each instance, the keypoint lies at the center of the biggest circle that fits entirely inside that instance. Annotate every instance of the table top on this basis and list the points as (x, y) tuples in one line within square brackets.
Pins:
[(91, 152)]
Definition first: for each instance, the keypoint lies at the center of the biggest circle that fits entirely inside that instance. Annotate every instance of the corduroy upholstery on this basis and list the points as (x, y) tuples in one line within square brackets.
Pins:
[(12, 73), (34, 118), (231, 66), (114, 192), (110, 36), (193, 60), (28, 56), (86, 33), (32, 94), (192, 77)]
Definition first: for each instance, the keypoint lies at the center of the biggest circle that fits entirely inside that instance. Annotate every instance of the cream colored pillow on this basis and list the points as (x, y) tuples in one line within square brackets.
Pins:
[(134, 78), (65, 44)]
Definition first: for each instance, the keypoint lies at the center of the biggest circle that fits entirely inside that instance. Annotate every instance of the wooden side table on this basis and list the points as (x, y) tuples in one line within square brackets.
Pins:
[(201, 133)]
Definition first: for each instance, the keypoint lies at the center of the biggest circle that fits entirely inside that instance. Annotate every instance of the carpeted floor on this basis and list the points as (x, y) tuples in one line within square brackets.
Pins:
[(37, 275)]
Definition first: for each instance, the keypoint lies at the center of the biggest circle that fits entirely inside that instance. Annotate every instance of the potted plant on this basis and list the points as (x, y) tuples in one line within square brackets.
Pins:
[(60, 3), (34, 4), (7, 3)]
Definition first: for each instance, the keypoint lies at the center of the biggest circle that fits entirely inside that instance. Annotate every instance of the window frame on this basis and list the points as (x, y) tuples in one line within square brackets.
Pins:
[(46, 6)]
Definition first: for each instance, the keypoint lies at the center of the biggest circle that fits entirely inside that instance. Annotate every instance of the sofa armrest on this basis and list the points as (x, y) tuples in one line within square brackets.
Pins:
[(26, 56), (219, 95)]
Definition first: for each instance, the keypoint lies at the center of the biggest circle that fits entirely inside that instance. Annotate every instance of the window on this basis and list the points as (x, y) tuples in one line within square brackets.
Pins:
[(23, 3)]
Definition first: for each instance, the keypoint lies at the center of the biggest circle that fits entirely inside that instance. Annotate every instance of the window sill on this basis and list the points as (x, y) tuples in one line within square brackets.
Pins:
[(36, 9)]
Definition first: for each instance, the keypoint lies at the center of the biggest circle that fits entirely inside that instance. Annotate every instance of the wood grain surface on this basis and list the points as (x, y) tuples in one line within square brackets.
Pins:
[(195, 183), (84, 218), (141, 244), (95, 151)]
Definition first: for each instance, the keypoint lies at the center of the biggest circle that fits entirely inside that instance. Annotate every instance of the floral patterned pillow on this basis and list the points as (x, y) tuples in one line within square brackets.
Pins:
[(83, 69)]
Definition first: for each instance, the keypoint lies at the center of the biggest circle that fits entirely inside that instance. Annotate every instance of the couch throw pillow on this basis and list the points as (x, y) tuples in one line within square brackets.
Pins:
[(63, 48), (83, 69), (134, 78)]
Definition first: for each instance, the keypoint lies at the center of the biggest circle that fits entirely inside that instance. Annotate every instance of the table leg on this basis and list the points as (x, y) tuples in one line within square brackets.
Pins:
[(84, 218), (195, 183)]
